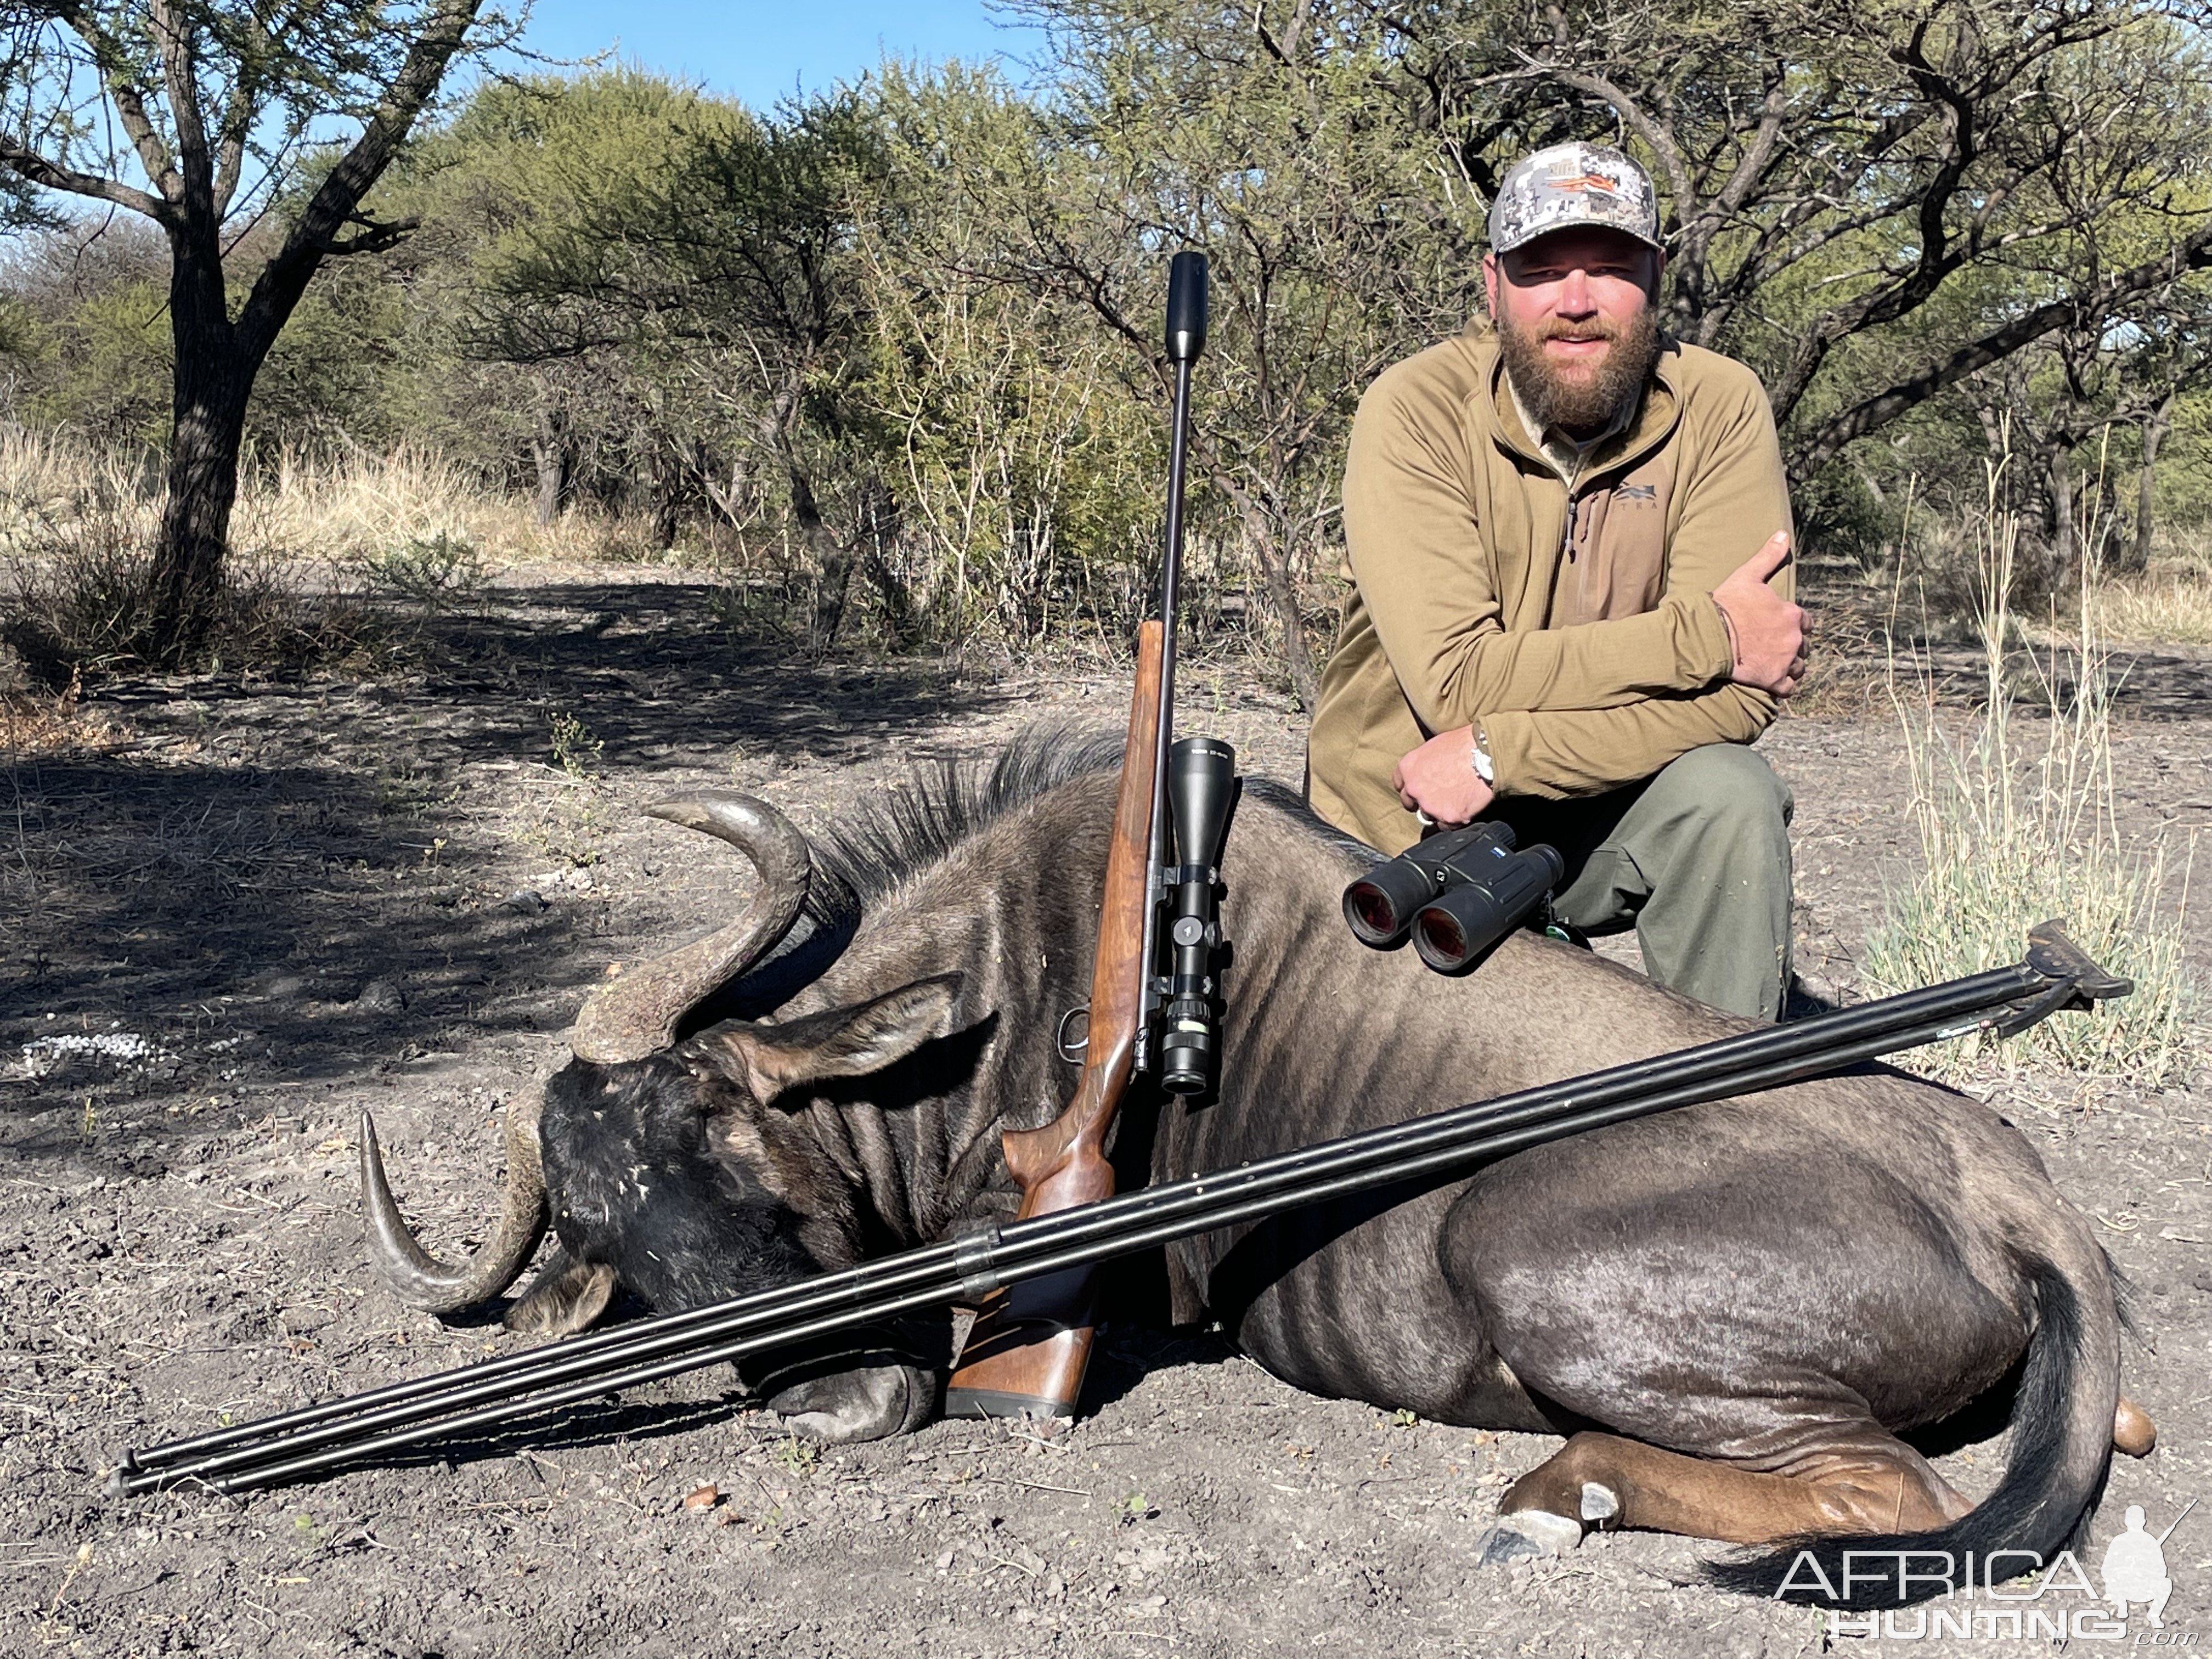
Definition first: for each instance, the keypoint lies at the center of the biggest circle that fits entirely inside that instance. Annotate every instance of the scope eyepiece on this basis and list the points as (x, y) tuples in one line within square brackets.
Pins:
[(1381, 904), (1187, 1048), (1463, 924)]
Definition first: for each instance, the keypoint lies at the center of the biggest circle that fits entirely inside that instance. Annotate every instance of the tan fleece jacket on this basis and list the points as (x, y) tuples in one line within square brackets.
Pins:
[(1578, 630)]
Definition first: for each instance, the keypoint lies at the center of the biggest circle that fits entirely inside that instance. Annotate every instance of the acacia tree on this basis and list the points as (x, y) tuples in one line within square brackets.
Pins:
[(194, 113), (1028, 476), (1833, 170), (529, 361), (703, 255), (1284, 141), (2087, 383)]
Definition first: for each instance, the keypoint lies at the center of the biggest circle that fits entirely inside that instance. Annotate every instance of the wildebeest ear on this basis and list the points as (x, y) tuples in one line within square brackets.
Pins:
[(842, 1042), (566, 1297)]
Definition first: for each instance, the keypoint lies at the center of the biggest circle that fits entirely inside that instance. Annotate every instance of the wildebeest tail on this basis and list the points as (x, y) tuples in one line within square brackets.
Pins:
[(2061, 1444)]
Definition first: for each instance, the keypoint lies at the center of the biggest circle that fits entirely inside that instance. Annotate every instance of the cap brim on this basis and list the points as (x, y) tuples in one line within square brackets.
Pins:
[(1542, 231)]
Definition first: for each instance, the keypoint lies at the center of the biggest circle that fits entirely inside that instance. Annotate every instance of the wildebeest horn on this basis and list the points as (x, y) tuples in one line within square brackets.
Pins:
[(638, 1013), (419, 1278)]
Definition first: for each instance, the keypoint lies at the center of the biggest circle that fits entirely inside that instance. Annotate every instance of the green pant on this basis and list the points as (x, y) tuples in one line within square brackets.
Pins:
[(1697, 858)]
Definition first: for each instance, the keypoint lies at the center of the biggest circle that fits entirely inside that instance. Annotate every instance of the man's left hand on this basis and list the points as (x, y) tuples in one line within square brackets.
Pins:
[(1440, 780)]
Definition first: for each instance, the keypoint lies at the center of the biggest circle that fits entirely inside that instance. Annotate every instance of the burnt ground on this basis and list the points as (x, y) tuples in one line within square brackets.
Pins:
[(256, 909)]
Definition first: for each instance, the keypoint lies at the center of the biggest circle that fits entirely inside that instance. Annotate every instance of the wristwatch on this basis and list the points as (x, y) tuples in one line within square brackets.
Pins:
[(1484, 767)]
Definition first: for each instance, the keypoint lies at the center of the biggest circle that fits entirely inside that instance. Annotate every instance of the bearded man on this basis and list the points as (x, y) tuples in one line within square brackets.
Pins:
[(1570, 538)]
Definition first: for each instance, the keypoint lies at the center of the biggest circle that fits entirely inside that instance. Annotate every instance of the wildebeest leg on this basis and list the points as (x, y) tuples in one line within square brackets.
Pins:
[(564, 1298), (844, 1389), (868, 1404), (1603, 1481)]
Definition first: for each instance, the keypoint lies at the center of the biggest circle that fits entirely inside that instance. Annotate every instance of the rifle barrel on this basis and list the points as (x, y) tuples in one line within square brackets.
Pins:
[(1184, 1208), (407, 1414), (1186, 338)]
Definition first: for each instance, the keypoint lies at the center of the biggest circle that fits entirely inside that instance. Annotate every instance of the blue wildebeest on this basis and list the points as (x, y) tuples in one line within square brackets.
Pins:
[(1731, 1310)]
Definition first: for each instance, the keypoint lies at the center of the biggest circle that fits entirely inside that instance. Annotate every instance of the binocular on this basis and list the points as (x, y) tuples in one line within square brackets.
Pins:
[(1457, 894)]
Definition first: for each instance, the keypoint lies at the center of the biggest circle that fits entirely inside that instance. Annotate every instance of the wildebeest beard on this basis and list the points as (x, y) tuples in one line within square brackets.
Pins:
[(1588, 402)]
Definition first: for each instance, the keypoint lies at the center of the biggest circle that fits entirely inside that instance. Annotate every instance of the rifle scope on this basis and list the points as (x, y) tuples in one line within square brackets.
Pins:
[(1201, 786), (1184, 339)]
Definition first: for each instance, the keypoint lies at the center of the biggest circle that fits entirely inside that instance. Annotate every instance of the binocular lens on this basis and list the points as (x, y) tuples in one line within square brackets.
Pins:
[(1374, 919), (1464, 922), (1440, 939), (1380, 906)]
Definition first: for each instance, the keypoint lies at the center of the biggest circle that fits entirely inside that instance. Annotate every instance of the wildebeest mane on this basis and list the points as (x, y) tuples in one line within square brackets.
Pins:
[(912, 825), (903, 831)]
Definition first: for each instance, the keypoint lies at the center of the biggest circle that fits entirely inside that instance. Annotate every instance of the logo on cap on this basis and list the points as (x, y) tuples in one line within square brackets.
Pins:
[(1573, 184)]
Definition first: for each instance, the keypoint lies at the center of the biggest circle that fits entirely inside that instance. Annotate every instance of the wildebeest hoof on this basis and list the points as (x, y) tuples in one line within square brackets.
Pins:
[(1525, 1535), (1601, 1503), (860, 1405)]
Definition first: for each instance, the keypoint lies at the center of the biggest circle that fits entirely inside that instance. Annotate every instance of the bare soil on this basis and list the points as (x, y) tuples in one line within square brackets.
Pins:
[(251, 909)]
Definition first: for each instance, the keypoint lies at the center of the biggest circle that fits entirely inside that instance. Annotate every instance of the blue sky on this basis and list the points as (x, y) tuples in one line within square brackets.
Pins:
[(762, 50)]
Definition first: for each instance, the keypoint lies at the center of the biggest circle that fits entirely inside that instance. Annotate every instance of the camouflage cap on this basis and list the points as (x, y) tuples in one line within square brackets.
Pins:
[(1573, 184)]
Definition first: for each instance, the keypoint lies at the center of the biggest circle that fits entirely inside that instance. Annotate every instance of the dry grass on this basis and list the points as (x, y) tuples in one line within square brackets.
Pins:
[(364, 507), (2169, 603), (313, 542), (78, 590), (34, 724), (345, 510), (2017, 826)]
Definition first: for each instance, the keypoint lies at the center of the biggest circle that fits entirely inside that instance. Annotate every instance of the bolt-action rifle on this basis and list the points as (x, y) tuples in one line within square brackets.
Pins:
[(1030, 1345)]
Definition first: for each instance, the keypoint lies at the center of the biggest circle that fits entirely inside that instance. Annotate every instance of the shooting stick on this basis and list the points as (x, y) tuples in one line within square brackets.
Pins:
[(1405, 1156)]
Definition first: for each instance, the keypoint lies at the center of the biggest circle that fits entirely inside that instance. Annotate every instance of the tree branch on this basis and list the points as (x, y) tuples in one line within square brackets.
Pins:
[(335, 202), (1814, 451), (376, 235), (180, 66), (109, 59), (30, 165)]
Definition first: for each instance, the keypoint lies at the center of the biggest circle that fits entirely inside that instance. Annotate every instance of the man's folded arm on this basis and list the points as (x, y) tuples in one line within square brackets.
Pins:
[(1556, 753), (1735, 498)]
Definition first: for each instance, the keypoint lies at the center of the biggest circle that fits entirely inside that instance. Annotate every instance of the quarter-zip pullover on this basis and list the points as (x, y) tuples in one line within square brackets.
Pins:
[(1567, 610)]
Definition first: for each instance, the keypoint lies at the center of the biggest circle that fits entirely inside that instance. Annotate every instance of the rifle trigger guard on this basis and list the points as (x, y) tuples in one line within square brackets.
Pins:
[(972, 1260), (1072, 1052)]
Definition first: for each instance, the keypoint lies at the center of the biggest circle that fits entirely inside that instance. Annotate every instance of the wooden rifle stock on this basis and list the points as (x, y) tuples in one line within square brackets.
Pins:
[(1030, 1343)]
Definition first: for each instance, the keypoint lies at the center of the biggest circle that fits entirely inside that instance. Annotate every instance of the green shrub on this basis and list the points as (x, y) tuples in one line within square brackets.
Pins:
[(438, 571)]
